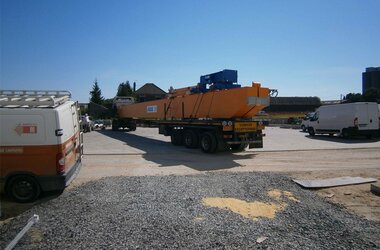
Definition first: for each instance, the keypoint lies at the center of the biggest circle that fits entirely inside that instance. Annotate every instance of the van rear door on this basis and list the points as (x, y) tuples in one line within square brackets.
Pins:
[(68, 136), (366, 114)]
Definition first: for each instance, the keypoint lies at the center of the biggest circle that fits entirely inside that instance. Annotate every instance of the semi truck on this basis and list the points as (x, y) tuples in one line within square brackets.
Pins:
[(217, 114)]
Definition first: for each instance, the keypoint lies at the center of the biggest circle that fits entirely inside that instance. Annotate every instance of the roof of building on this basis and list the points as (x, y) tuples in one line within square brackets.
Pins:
[(150, 89)]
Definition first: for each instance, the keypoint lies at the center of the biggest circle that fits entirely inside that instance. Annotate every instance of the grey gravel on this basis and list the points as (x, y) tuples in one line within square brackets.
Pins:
[(167, 212)]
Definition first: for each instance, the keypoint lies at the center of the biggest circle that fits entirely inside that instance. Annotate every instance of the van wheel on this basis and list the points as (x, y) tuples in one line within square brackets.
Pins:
[(23, 188), (191, 139), (311, 131), (303, 128), (208, 142)]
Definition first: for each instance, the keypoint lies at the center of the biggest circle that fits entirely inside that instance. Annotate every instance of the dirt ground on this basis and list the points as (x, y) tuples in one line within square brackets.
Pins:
[(357, 199)]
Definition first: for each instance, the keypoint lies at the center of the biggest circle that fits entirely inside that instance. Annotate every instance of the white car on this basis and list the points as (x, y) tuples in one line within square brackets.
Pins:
[(99, 124)]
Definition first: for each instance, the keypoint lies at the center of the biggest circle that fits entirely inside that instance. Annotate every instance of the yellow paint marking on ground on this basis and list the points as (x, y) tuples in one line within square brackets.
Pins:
[(255, 209), (251, 210)]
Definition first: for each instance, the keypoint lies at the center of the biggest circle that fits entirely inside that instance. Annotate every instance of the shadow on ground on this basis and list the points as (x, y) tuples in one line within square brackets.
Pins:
[(166, 154), (352, 140), (10, 208)]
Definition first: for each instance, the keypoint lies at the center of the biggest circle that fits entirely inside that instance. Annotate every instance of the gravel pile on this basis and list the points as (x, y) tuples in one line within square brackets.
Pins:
[(168, 212)]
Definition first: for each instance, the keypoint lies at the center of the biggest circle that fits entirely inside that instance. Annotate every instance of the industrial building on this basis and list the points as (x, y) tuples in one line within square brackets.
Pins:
[(371, 79)]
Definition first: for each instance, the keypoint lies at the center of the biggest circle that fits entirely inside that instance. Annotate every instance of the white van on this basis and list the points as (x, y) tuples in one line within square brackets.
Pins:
[(350, 119), (306, 121), (40, 142)]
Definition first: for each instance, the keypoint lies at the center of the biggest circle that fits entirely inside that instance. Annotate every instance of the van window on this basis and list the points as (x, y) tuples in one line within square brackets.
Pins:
[(315, 117)]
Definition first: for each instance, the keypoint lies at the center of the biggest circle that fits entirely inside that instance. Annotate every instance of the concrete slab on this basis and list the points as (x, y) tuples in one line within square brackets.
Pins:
[(334, 182)]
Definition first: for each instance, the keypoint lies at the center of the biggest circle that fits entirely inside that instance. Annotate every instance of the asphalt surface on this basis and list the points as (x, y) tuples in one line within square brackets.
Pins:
[(210, 210)]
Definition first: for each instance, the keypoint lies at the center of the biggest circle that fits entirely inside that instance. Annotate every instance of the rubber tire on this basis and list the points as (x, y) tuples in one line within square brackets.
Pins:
[(191, 139), (311, 131), (238, 147), (177, 137), (23, 188), (208, 142), (132, 127), (303, 128)]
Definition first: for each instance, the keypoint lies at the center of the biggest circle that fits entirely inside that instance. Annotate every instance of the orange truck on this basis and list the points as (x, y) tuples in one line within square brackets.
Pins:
[(215, 115), (41, 142)]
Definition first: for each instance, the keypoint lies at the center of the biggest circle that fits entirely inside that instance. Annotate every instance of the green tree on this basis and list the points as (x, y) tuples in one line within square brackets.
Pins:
[(372, 95), (96, 94), (354, 97), (124, 89)]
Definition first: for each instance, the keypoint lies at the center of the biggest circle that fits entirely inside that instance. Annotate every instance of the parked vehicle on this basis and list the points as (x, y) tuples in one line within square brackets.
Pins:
[(41, 143), (86, 123), (350, 119), (214, 115), (99, 124), (306, 121)]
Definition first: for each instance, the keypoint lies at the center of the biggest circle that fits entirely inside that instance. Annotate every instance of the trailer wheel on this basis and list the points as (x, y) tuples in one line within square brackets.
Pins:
[(191, 138), (208, 142), (132, 127), (23, 188), (115, 125), (311, 131), (177, 137), (345, 133)]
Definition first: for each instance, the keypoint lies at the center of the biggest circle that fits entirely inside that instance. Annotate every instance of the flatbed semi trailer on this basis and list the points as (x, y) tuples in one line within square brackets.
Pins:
[(215, 119)]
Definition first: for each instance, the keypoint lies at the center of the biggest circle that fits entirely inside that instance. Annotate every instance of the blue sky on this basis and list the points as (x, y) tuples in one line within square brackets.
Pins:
[(302, 48)]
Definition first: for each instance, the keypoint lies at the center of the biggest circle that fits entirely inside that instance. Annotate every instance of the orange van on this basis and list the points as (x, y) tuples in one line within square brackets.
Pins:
[(40, 142)]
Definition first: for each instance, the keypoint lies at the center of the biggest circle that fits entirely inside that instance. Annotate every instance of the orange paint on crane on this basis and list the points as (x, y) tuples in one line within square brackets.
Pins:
[(242, 102)]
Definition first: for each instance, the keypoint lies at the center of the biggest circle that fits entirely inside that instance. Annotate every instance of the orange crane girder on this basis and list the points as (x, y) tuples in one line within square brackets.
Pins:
[(244, 102)]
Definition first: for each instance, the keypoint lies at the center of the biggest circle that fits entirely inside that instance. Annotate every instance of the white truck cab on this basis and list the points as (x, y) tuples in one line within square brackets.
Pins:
[(349, 119)]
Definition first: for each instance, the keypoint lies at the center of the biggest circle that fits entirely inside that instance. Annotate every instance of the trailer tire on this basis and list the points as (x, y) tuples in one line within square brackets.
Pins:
[(132, 127), (208, 142), (23, 188), (177, 137), (191, 138), (311, 131), (345, 133), (115, 125)]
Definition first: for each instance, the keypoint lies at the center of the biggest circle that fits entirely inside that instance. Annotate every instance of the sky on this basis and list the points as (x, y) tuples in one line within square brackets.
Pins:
[(301, 48)]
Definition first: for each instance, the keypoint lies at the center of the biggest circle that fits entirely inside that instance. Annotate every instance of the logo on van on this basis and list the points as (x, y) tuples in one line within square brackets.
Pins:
[(26, 129)]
